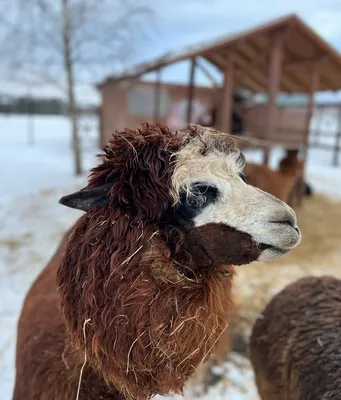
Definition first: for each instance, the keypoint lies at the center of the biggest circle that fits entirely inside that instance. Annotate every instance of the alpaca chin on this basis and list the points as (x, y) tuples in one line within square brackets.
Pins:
[(271, 253)]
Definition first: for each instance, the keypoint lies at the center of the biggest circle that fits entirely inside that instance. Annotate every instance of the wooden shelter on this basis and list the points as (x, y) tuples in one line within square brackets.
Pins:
[(283, 56)]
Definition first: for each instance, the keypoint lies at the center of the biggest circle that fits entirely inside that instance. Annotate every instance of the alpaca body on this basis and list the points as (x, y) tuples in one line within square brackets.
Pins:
[(144, 278), (275, 182), (49, 364), (48, 367), (295, 345)]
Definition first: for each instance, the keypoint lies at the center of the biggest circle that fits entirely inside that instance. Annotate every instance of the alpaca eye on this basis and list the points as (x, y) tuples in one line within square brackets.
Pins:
[(192, 203), (242, 176), (196, 200), (202, 194)]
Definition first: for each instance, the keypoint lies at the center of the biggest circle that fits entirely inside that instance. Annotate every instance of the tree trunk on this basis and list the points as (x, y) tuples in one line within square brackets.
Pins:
[(70, 87)]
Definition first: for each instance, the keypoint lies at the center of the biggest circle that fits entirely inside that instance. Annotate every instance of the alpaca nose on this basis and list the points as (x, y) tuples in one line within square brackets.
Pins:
[(286, 218), (286, 222), (289, 222)]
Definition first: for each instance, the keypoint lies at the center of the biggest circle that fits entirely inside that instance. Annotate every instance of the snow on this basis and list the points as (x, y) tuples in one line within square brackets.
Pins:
[(32, 179), (28, 169)]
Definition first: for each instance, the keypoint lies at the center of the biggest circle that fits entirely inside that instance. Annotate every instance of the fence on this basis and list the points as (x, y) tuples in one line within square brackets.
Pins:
[(325, 130)]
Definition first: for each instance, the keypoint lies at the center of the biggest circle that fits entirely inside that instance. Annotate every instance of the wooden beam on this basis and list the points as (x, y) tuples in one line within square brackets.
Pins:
[(251, 51), (290, 77), (308, 62), (157, 97), (226, 106), (275, 66), (191, 91), (256, 82), (287, 86), (246, 67), (242, 79), (314, 85), (256, 55), (207, 73), (296, 62), (294, 77)]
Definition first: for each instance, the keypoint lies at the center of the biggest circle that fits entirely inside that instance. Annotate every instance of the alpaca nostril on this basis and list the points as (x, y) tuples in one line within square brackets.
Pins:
[(286, 222), (287, 218)]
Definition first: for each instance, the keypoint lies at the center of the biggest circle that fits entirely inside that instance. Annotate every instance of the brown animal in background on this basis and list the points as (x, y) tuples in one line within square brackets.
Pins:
[(280, 183), (144, 277), (295, 345), (274, 182), (290, 164)]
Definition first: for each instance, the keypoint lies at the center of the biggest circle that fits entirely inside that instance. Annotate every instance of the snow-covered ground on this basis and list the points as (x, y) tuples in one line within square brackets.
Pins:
[(32, 179)]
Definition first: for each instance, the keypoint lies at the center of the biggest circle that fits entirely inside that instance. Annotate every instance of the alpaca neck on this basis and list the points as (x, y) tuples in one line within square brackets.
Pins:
[(89, 382)]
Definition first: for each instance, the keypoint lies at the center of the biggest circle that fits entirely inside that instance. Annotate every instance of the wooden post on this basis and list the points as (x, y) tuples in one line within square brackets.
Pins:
[(314, 84), (101, 141), (191, 91), (317, 131), (337, 147), (157, 96), (226, 106), (208, 74), (275, 69)]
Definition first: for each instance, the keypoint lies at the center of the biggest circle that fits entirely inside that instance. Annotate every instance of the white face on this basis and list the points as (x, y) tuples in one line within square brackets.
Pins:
[(238, 205)]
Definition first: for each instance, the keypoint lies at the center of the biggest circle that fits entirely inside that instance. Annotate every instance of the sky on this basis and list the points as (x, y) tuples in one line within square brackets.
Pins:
[(182, 23), (190, 21)]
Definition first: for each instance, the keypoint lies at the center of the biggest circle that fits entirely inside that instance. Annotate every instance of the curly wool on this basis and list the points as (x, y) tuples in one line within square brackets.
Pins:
[(152, 321)]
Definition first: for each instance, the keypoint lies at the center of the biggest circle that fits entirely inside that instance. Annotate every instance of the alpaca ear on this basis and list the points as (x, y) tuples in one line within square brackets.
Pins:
[(88, 198)]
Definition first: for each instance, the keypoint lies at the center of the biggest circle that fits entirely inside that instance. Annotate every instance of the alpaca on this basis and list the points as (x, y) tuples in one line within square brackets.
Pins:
[(280, 183), (144, 276), (295, 344), (275, 182)]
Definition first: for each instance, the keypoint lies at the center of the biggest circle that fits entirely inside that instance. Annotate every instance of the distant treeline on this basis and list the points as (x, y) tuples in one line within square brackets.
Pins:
[(35, 105), (32, 105)]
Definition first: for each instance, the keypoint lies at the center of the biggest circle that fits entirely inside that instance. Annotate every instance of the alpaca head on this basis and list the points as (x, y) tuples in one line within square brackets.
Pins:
[(149, 263), (291, 165), (195, 182)]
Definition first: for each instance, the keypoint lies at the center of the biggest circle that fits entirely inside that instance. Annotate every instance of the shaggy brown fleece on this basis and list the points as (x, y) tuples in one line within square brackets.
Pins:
[(295, 345), (155, 313), (144, 295)]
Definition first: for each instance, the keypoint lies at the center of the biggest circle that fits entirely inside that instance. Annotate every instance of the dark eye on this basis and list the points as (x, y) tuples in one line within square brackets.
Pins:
[(201, 195), (242, 176), (195, 200)]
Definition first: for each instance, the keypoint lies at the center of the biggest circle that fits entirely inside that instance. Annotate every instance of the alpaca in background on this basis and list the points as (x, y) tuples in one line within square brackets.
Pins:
[(295, 343), (279, 182)]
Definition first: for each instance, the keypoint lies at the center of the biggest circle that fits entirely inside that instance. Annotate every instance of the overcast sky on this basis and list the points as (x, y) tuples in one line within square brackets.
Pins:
[(189, 21), (179, 23)]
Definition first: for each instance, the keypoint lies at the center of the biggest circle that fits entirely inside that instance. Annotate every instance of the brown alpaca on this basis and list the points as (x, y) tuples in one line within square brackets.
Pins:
[(145, 275), (280, 183), (275, 182), (295, 345)]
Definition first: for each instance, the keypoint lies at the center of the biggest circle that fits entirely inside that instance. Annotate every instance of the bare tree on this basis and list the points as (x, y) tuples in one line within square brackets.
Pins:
[(70, 42)]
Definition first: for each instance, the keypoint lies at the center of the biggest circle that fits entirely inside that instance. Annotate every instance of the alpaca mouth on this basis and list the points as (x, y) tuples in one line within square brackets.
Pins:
[(284, 240), (276, 249)]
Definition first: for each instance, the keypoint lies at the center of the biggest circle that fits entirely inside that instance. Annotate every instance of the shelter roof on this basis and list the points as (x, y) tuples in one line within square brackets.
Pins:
[(302, 48)]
